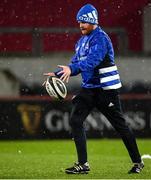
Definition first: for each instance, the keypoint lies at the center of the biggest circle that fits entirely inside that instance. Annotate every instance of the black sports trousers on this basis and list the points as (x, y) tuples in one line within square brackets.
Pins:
[(108, 103)]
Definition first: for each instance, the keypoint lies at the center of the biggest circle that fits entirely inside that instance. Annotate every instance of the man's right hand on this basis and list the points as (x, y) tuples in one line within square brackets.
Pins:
[(47, 74)]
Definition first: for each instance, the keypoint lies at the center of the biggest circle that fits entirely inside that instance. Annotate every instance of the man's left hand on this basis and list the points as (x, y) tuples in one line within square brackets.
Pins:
[(66, 72)]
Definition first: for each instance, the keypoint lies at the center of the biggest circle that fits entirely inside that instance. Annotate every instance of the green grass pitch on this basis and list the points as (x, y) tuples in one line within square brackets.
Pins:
[(108, 159)]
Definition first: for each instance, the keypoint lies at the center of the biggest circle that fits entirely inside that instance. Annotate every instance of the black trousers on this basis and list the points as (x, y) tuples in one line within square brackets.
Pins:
[(108, 103)]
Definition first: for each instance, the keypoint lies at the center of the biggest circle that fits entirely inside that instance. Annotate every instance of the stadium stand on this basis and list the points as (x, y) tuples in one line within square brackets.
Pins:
[(24, 24)]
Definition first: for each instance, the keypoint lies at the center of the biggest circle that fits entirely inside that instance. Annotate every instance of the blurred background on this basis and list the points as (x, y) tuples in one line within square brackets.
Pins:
[(37, 35)]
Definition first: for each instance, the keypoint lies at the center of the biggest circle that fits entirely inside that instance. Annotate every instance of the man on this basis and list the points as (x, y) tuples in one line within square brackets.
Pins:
[(94, 59)]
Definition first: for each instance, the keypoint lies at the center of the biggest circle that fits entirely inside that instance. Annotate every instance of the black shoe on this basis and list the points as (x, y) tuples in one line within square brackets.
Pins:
[(78, 169), (137, 168)]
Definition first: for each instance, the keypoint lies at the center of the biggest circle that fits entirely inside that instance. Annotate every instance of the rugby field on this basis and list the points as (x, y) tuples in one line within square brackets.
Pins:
[(108, 159)]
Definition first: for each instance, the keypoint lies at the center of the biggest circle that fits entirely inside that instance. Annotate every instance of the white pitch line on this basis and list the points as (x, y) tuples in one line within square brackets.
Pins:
[(146, 156)]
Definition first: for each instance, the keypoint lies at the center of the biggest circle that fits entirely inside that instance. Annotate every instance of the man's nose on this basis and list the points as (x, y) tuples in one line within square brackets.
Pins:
[(81, 25)]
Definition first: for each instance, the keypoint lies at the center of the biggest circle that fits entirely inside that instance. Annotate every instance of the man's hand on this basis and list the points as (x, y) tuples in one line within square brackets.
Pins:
[(47, 74), (66, 72)]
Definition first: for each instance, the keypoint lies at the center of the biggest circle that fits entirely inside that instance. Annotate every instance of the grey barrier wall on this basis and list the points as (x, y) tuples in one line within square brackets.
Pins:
[(30, 70), (41, 118)]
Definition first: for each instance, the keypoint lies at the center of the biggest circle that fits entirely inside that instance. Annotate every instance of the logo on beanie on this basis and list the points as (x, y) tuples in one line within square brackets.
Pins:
[(90, 17)]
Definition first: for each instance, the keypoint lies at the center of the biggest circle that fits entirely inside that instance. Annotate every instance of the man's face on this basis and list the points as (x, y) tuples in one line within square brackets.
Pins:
[(86, 28)]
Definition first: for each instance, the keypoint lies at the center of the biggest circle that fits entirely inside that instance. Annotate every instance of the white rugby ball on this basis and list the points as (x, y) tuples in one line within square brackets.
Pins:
[(56, 87)]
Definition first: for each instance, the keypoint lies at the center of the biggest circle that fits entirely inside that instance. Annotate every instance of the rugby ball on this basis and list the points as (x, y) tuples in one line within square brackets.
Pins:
[(56, 87)]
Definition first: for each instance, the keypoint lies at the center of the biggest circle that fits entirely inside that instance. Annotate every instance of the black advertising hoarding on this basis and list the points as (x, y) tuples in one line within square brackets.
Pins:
[(34, 118), (41, 117)]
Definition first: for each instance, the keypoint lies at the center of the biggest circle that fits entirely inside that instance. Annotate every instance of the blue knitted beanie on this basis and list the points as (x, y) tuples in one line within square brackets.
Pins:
[(88, 14)]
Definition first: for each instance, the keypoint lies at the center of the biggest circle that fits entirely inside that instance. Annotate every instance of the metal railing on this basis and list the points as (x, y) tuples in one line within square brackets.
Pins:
[(37, 40)]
